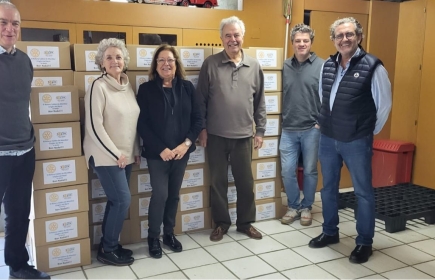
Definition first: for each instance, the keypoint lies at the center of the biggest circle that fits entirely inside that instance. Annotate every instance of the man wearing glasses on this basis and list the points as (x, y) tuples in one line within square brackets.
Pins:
[(356, 100)]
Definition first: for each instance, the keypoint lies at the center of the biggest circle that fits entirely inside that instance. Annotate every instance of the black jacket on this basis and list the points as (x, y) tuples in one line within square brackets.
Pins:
[(152, 123)]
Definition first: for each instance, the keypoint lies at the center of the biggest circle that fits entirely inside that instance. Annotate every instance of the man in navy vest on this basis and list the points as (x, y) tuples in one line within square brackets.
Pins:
[(356, 100)]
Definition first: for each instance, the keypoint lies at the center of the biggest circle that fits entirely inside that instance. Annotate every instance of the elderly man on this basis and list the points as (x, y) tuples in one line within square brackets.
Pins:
[(231, 95), (356, 100), (17, 156)]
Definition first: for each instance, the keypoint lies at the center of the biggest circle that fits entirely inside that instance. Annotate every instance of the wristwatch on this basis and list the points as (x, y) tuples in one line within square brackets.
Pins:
[(187, 142)]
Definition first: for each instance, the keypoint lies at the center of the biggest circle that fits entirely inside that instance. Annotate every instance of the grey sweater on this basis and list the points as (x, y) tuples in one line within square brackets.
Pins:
[(301, 102), (16, 74), (232, 98)]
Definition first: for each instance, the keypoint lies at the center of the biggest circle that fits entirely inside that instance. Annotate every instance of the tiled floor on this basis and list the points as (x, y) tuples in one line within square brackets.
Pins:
[(282, 253)]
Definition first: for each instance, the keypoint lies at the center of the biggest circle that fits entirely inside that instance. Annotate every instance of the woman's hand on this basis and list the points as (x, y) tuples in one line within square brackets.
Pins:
[(137, 160), (167, 155), (122, 161), (180, 151)]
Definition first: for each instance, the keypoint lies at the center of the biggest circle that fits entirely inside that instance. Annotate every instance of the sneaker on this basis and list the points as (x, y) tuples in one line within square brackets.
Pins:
[(28, 272), (291, 216), (306, 218)]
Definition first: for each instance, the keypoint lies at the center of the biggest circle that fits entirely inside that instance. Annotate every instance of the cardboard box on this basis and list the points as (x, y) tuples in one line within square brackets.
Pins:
[(269, 149), (232, 193), (273, 102), (82, 113), (272, 81), (268, 209), (60, 256), (143, 164), (140, 182), (269, 58), (139, 206), (216, 50), (265, 168), (273, 125), (268, 188), (60, 201), (54, 104), (141, 56), (196, 176), (193, 77), (139, 230), (47, 55), (194, 220), (59, 228), (193, 57), (60, 172), (198, 156), (136, 78), (57, 140), (194, 198), (84, 57), (96, 190), (52, 78), (82, 80), (95, 234)]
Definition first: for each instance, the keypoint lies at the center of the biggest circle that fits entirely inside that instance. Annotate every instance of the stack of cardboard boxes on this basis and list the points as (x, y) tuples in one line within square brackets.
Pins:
[(57, 236)]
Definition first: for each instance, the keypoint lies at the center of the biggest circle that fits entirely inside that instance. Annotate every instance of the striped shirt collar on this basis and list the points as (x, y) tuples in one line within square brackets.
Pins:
[(2, 50)]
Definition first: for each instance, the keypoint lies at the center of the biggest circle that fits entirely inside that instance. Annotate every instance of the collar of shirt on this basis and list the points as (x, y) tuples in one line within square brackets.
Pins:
[(241, 63), (2, 50), (347, 64), (309, 59)]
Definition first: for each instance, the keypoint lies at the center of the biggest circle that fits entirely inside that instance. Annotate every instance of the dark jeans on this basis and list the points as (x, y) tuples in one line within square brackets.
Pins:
[(357, 155), (240, 153), (114, 181), (166, 179), (16, 175)]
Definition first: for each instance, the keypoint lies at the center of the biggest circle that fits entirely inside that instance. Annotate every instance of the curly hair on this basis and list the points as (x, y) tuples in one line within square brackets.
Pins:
[(232, 20), (358, 26), (302, 28), (107, 43)]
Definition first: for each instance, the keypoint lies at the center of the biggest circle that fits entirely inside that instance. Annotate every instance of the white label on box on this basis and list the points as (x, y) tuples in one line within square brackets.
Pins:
[(144, 57), (190, 201), (271, 81), (232, 194), (192, 57), (265, 211), (143, 163), (97, 189), (140, 79), (54, 139), (198, 156), (265, 190), (193, 79), (192, 221), (64, 255), (90, 61), (63, 201), (267, 58), (144, 204), (44, 57), (266, 170), (233, 215), (144, 229), (193, 178), (272, 127), (271, 104), (89, 79), (98, 233), (47, 81), (62, 229), (98, 210), (55, 103), (144, 183), (269, 148), (59, 172), (230, 174)]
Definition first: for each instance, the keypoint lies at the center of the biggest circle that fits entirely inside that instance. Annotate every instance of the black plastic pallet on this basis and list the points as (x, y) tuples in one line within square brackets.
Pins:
[(397, 204)]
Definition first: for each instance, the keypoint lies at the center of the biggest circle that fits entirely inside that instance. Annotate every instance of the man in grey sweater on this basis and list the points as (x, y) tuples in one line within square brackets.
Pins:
[(17, 156), (231, 95), (300, 132)]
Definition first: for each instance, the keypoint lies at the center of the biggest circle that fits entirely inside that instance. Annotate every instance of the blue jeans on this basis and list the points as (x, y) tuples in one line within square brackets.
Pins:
[(291, 145), (114, 181), (357, 155)]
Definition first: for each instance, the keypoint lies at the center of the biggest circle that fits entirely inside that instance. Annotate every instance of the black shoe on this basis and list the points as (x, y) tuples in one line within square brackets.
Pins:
[(324, 240), (172, 242), (360, 254), (154, 247), (114, 258), (28, 272), (123, 251)]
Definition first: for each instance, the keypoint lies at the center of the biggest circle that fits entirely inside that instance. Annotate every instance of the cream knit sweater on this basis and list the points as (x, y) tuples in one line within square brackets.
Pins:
[(111, 119)]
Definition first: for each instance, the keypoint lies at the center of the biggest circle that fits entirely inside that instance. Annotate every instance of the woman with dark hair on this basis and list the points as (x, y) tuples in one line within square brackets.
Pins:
[(169, 123)]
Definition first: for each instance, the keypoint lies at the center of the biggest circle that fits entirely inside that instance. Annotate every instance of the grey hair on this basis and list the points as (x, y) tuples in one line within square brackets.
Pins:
[(301, 28), (8, 5), (232, 20), (358, 26), (107, 43)]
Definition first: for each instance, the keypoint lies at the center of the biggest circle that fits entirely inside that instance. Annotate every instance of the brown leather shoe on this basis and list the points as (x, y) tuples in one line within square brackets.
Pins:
[(218, 234), (251, 232)]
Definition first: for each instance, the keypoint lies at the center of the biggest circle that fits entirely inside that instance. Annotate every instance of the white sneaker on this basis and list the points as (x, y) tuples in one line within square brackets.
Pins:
[(290, 216), (306, 218)]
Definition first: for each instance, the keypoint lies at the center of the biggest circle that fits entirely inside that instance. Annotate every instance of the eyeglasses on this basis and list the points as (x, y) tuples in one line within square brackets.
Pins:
[(349, 35), (163, 61)]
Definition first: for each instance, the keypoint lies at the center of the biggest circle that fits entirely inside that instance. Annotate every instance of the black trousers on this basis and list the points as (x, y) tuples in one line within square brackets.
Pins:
[(166, 179), (16, 175)]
